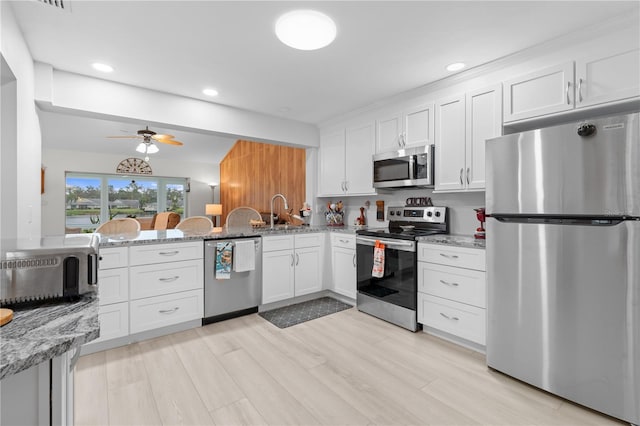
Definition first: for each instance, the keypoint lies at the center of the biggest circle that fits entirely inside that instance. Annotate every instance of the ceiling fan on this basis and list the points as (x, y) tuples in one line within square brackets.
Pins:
[(148, 137)]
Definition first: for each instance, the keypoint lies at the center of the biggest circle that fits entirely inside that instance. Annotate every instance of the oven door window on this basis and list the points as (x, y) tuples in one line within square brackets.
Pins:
[(399, 283), (392, 169)]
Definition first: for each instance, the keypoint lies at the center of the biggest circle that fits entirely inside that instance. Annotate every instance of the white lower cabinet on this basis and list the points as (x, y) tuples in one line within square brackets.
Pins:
[(146, 287), (291, 266), (343, 264), (452, 291)]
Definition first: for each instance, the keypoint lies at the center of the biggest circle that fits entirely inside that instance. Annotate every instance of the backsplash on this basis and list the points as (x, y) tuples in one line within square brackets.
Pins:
[(462, 217)]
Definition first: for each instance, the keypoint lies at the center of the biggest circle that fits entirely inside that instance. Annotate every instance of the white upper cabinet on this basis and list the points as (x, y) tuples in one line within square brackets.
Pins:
[(605, 79), (463, 123), (450, 143), (542, 92), (413, 126), (598, 79), (346, 165), (484, 121)]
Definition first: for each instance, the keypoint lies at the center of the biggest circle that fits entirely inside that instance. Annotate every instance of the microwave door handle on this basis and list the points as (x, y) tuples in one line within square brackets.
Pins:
[(412, 166)]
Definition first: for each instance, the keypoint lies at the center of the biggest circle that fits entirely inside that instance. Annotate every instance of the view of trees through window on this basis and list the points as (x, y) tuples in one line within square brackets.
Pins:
[(94, 199)]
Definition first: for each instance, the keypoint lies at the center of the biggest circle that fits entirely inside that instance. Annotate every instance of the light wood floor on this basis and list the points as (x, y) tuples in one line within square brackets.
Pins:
[(345, 368)]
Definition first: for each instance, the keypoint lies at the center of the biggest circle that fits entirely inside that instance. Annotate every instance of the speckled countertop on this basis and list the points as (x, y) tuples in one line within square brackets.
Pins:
[(38, 334), (453, 240), (175, 235)]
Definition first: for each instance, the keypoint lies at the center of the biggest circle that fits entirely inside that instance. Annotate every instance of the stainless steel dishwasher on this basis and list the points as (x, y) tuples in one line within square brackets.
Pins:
[(240, 294)]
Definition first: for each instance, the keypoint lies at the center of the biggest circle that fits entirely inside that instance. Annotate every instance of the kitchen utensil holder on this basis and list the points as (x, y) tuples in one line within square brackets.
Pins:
[(335, 218)]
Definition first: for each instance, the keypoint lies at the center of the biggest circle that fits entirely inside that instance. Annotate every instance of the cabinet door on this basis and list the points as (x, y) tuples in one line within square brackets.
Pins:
[(113, 285), (308, 277), (277, 275), (450, 143), (114, 321), (388, 130), (332, 163), (546, 91), (359, 159), (605, 79), (484, 121), (418, 125), (344, 271)]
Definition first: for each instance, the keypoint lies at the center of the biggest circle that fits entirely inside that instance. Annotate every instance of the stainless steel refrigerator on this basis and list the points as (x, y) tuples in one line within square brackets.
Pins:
[(563, 261)]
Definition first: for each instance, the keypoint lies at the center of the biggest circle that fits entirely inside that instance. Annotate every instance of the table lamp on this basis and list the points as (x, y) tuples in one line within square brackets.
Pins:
[(213, 210)]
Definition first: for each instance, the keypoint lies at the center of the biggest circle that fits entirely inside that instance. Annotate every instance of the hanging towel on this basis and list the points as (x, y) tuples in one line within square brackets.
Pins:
[(378, 260), (224, 256), (244, 259)]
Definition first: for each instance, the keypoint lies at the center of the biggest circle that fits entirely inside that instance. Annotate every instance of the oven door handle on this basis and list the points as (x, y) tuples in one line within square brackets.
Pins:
[(391, 244)]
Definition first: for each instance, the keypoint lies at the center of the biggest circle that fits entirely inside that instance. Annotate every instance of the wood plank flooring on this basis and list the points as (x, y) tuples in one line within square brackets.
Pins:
[(345, 368)]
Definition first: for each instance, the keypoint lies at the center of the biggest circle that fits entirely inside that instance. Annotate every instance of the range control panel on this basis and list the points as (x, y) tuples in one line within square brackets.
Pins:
[(417, 214)]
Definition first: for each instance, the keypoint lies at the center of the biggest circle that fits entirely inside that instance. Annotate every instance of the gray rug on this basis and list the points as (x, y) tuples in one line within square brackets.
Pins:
[(305, 311)]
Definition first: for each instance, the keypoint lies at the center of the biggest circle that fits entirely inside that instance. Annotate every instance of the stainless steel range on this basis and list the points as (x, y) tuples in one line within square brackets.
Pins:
[(393, 297)]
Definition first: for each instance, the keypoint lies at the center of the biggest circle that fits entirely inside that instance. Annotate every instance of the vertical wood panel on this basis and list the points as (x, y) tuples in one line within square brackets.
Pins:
[(251, 173)]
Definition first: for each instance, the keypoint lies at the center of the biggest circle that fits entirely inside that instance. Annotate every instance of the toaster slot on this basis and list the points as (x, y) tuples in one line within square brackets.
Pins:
[(71, 276)]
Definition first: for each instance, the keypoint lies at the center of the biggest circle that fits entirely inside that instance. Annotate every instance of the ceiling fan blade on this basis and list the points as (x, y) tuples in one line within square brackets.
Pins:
[(169, 142), (158, 137), (125, 137)]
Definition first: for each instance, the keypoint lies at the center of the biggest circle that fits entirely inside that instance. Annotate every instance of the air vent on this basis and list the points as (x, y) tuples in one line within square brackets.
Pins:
[(60, 4)]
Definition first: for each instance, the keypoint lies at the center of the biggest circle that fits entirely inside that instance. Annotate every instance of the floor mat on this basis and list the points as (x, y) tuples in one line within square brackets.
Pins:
[(305, 311)]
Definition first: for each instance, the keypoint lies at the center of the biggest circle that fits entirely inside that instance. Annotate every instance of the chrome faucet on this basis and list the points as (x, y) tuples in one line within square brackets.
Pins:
[(286, 206)]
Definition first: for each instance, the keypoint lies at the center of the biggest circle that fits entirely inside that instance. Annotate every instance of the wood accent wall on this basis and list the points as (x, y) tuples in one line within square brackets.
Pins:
[(252, 172)]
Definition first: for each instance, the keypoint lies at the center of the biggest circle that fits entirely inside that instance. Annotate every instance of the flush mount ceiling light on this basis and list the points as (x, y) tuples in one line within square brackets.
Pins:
[(210, 92), (102, 67), (305, 29), (457, 66)]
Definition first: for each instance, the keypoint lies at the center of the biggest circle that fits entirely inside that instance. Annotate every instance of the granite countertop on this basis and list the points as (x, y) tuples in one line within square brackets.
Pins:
[(467, 241), (38, 334), (176, 235)]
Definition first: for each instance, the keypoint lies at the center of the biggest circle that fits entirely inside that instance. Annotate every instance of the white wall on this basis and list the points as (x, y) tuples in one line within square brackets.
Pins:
[(57, 162), (25, 199)]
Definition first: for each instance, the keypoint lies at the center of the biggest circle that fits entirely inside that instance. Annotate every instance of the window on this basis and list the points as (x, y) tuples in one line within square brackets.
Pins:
[(92, 199)]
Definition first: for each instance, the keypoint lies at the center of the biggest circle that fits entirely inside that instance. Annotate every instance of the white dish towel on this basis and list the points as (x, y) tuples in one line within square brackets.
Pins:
[(244, 258)]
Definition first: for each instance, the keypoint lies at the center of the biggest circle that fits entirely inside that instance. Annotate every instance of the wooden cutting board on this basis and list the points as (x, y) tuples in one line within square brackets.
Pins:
[(6, 315)]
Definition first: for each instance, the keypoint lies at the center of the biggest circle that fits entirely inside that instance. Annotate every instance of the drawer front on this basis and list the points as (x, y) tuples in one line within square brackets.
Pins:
[(172, 277), (162, 253), (280, 242), (113, 286), (347, 241), (308, 240), (458, 319), (170, 309), (114, 321), (115, 257), (461, 257), (458, 284)]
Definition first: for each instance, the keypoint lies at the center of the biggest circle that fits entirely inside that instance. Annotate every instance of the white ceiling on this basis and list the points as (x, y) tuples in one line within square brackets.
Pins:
[(382, 48)]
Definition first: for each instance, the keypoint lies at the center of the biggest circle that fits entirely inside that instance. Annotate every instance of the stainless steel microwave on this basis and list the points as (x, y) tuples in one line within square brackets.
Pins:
[(404, 168)]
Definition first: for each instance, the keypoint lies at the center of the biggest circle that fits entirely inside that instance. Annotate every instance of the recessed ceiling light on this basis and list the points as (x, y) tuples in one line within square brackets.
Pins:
[(457, 66), (305, 29), (210, 92), (102, 67)]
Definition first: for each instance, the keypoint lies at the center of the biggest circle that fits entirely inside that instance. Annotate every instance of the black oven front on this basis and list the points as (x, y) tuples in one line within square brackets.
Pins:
[(392, 297)]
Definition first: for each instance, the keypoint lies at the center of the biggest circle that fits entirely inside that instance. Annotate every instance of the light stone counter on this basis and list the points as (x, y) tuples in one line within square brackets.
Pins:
[(453, 240)]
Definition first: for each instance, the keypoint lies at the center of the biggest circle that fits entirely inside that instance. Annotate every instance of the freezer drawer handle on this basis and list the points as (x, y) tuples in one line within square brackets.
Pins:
[(449, 256), (169, 279), (169, 253), (450, 318), (169, 311), (449, 284)]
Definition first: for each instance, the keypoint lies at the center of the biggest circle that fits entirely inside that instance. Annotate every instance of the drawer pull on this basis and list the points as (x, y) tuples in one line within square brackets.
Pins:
[(344, 241), (169, 279), (449, 284), (450, 318), (169, 311), (169, 253), (449, 256)]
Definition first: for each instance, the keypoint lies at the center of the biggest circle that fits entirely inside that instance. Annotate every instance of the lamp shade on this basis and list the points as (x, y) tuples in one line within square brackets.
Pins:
[(213, 209)]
